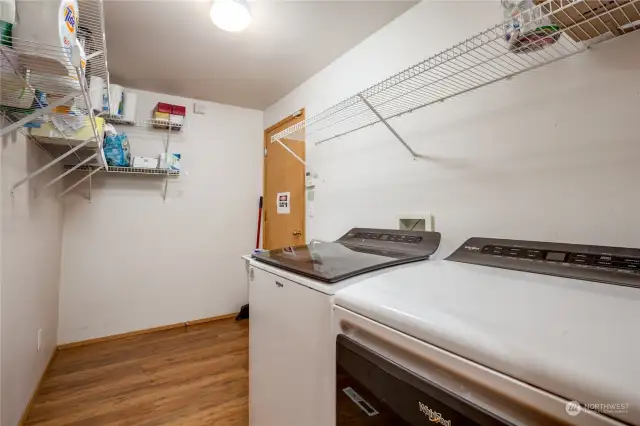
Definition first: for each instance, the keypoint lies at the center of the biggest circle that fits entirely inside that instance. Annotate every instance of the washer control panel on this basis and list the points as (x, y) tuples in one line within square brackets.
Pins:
[(411, 243), (615, 265), (399, 238), (600, 260)]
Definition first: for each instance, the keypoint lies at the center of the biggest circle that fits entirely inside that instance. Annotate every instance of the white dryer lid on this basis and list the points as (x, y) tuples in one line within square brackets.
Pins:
[(574, 338)]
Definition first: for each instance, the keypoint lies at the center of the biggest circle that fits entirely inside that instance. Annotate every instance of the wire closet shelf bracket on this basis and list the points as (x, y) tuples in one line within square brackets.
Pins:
[(471, 64)]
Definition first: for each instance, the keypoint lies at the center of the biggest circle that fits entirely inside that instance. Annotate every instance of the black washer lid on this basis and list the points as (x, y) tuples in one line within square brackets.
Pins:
[(359, 251)]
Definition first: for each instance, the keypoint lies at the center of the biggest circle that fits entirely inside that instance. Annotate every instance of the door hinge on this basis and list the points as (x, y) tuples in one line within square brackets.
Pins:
[(265, 152)]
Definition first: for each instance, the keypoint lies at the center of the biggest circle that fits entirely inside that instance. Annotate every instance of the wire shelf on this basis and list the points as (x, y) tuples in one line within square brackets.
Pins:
[(131, 170), (44, 92), (150, 123), (91, 22), (476, 62)]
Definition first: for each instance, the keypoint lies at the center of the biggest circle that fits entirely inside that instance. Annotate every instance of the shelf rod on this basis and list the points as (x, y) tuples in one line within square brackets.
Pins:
[(391, 129), (37, 114), (291, 151), (71, 170), (79, 182), (166, 156), (51, 163)]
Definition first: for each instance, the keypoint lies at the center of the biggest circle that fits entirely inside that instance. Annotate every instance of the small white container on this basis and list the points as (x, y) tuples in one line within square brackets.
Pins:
[(145, 163), (129, 105), (96, 92), (115, 98), (169, 161)]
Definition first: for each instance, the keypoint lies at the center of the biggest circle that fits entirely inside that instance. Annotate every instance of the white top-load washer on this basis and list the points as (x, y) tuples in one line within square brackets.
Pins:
[(291, 345), (502, 332)]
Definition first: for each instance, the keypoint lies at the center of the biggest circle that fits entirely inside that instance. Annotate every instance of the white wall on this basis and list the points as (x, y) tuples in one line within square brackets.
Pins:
[(131, 261), (549, 155), (31, 239)]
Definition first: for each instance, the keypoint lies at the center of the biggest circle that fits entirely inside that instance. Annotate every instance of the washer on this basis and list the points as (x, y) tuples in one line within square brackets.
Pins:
[(291, 346), (502, 332)]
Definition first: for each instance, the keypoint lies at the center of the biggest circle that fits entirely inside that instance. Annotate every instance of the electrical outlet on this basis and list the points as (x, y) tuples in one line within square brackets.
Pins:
[(39, 339), (199, 108)]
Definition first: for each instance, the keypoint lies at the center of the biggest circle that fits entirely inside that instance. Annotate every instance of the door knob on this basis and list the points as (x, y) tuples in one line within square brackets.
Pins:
[(297, 233)]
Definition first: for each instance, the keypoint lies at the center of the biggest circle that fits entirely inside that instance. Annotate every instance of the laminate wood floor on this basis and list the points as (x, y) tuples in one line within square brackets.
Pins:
[(190, 376)]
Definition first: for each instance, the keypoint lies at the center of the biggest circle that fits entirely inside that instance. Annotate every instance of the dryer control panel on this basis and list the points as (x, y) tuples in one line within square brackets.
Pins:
[(614, 265)]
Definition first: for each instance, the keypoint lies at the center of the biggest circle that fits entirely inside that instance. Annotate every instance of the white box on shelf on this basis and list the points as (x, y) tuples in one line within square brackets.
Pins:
[(145, 162)]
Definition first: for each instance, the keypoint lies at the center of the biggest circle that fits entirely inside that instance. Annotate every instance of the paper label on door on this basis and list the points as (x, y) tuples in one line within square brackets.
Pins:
[(283, 202)]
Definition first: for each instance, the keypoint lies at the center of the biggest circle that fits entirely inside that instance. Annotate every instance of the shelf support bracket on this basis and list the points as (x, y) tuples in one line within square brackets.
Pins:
[(391, 129), (51, 163), (79, 182), (71, 170), (291, 151)]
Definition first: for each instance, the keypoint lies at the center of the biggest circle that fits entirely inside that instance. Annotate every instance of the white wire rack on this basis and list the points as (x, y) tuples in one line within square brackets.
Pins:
[(151, 129), (166, 174), (132, 170), (92, 26), (43, 86), (150, 123), (476, 62)]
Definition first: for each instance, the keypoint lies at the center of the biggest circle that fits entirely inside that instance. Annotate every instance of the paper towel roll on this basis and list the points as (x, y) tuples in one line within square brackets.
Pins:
[(44, 34), (129, 106), (96, 89), (115, 97)]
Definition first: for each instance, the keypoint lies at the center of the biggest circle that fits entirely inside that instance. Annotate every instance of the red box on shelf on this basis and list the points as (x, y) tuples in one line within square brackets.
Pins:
[(178, 110), (162, 107)]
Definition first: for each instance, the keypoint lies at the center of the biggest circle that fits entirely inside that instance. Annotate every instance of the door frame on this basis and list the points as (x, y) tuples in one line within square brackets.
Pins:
[(266, 145)]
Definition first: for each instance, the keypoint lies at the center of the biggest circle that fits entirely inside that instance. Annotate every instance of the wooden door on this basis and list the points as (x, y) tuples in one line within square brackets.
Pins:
[(284, 178)]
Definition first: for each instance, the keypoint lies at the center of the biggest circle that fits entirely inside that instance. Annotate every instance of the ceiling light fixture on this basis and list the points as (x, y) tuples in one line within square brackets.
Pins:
[(231, 15)]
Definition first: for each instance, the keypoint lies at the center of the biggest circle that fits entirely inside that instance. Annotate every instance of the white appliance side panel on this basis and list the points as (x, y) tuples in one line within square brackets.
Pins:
[(291, 353), (512, 400)]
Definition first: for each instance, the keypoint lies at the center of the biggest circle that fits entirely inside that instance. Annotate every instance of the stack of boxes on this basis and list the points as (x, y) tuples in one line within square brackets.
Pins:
[(171, 114)]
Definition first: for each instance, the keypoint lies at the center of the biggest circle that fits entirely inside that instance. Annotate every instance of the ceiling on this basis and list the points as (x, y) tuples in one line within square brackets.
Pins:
[(173, 47)]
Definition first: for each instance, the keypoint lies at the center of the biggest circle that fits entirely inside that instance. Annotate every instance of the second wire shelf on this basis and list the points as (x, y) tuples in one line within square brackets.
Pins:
[(133, 170)]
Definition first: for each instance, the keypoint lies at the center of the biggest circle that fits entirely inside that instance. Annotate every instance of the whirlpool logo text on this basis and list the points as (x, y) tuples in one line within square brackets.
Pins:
[(433, 416)]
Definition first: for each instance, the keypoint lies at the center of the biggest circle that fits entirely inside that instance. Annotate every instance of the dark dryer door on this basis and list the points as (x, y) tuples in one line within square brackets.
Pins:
[(371, 390)]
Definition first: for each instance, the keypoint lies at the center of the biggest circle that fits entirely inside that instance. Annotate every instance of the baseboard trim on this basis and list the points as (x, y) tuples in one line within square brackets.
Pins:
[(145, 331), (27, 409)]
